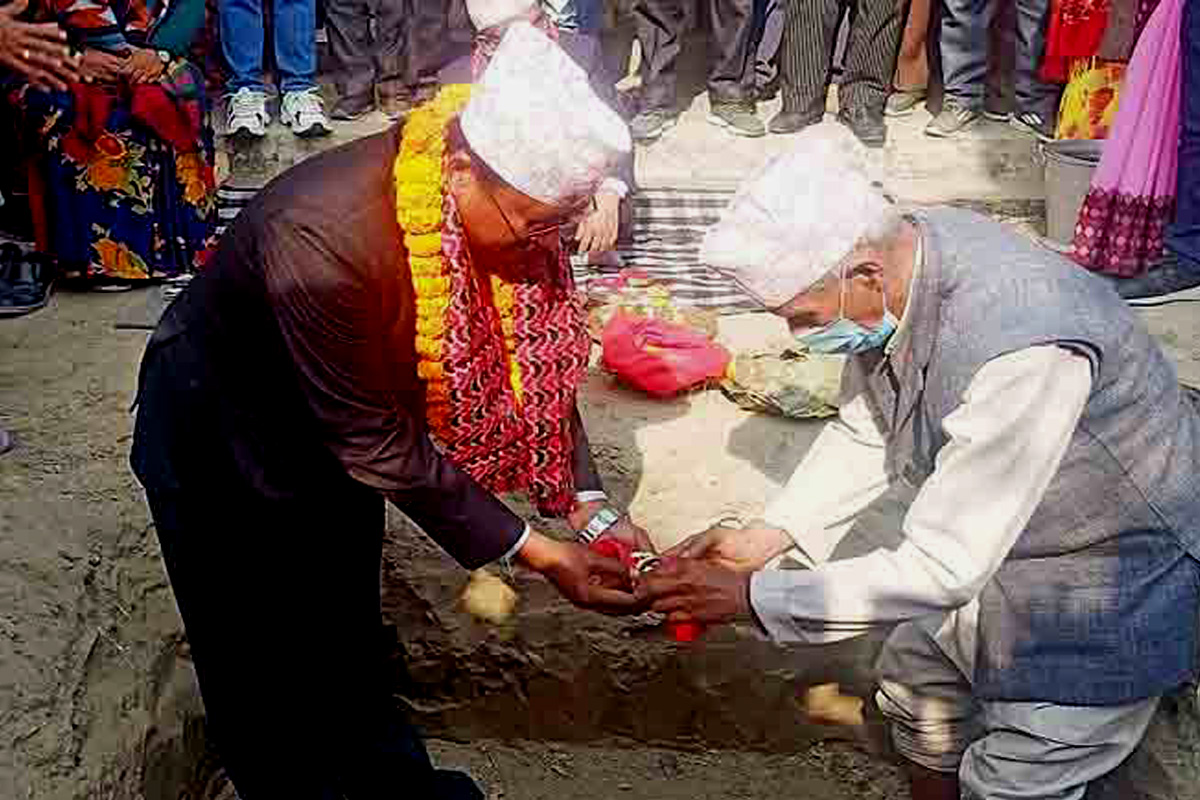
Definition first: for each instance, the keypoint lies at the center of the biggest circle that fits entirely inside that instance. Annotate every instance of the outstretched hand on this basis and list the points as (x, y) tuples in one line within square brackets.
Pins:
[(738, 549), (37, 50), (585, 578), (687, 590), (598, 230)]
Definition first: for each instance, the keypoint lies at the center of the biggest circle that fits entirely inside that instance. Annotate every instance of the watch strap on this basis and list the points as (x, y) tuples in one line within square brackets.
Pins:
[(599, 524)]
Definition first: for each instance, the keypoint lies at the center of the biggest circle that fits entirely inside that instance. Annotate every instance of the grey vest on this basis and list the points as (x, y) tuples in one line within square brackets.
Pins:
[(1098, 601)]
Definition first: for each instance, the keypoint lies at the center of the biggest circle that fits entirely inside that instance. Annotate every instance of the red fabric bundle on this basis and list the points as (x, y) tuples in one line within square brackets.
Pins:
[(661, 358)]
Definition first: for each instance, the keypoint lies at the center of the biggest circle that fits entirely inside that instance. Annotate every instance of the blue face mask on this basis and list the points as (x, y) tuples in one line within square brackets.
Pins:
[(844, 336)]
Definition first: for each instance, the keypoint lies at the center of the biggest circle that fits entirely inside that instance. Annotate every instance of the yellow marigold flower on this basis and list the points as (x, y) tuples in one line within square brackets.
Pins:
[(425, 266), (425, 245), (431, 326), (427, 286), (430, 371)]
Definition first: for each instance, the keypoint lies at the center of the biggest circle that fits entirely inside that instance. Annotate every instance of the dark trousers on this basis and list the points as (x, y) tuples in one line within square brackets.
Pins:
[(660, 26), (408, 40), (964, 50), (768, 35), (279, 595), (809, 38), (1183, 237)]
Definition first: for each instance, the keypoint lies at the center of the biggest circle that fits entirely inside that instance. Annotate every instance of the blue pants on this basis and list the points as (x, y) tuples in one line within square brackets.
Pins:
[(1183, 237), (964, 50), (294, 35)]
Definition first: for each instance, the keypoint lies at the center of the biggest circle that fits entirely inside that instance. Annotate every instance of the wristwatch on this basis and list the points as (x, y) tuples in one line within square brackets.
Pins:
[(604, 519), (164, 56)]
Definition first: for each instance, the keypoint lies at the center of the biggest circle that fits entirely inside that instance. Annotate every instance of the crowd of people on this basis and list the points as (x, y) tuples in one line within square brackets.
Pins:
[(118, 167)]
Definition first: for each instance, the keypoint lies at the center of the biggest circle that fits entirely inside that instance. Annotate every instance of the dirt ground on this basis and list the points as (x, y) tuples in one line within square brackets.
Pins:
[(90, 642)]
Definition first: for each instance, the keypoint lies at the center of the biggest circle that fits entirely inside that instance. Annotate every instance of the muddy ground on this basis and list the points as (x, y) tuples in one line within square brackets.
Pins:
[(96, 695)]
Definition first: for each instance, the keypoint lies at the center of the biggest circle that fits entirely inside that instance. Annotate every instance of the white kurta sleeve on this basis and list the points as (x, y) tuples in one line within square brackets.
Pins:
[(842, 474), (1006, 442)]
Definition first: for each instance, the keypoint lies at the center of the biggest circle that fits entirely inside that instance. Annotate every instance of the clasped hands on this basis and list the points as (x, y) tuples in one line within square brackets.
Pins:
[(705, 579), (134, 66)]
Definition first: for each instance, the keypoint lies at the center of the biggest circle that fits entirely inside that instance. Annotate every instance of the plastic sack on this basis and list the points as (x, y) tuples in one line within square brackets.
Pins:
[(795, 383), (660, 357)]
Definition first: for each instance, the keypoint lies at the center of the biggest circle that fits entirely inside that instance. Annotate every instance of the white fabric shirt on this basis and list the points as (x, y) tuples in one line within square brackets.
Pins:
[(1006, 441)]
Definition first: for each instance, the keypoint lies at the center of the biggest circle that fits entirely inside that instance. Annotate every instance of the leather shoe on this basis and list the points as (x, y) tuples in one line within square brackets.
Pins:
[(353, 106), (786, 122), (865, 123)]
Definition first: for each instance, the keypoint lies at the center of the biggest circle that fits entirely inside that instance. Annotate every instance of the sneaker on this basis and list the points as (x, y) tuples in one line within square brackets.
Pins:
[(1171, 280), (304, 112), (866, 124), (1033, 124), (6, 441), (903, 102), (737, 118), (247, 114), (953, 120), (651, 124)]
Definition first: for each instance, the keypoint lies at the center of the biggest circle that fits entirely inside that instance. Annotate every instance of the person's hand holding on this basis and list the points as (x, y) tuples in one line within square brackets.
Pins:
[(36, 50), (739, 549), (598, 230), (583, 577), (687, 590), (98, 66), (143, 66)]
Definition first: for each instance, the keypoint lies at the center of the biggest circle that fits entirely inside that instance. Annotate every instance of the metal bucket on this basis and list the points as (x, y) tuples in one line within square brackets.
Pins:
[(1069, 167)]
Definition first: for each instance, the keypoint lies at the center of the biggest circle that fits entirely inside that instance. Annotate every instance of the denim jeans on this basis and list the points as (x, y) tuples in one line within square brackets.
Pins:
[(242, 40), (964, 47), (1183, 237)]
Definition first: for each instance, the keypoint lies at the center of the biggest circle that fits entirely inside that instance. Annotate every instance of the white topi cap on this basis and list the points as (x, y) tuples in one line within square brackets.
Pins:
[(536, 122), (489, 13), (798, 217)]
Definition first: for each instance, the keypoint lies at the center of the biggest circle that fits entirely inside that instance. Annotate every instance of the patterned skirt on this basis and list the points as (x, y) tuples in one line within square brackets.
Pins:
[(1131, 201), (126, 177)]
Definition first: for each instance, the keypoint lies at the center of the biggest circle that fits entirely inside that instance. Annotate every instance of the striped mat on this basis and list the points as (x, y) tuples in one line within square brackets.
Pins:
[(668, 225)]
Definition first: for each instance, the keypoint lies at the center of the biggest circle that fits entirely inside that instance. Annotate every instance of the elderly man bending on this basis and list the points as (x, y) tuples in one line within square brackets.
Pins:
[(1046, 586)]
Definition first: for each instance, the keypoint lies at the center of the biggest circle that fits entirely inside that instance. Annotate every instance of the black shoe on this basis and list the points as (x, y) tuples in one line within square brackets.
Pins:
[(1172, 279), (865, 123), (27, 281), (787, 122), (353, 106)]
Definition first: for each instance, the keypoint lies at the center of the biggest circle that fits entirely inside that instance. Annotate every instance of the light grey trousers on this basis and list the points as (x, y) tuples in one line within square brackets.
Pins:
[(1000, 750)]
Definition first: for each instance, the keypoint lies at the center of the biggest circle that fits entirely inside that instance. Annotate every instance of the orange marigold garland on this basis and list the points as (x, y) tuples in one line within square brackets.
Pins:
[(419, 195), (500, 367)]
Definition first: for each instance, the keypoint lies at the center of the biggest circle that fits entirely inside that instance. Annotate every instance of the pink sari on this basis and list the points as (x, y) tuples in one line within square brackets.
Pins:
[(1132, 197)]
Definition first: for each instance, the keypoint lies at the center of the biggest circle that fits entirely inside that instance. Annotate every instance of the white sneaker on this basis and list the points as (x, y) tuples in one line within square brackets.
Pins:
[(304, 113), (247, 114)]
